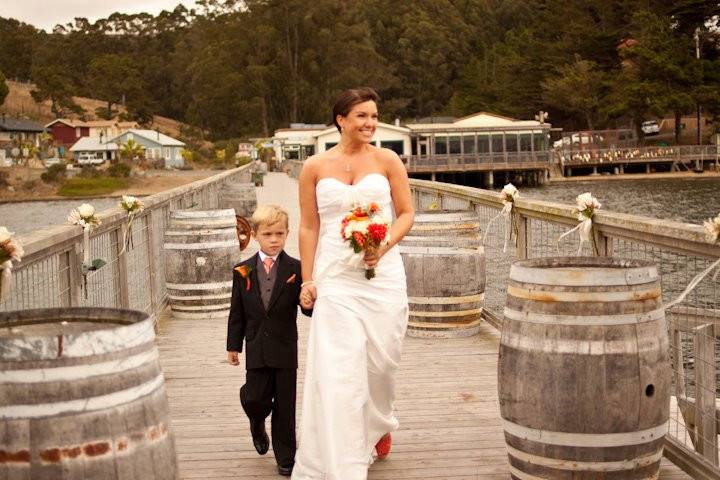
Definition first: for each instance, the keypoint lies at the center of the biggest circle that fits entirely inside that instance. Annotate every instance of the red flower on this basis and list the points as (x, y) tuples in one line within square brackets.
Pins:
[(359, 239), (374, 207), (244, 271), (377, 232)]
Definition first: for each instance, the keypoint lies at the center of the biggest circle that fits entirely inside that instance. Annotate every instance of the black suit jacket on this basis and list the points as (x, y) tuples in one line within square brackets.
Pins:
[(270, 335)]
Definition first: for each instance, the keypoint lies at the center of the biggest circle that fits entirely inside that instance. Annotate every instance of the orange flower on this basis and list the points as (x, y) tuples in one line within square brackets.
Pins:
[(374, 207), (244, 271)]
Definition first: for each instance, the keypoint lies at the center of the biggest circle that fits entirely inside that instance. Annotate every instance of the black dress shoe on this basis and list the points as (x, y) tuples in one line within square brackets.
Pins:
[(285, 471), (259, 436)]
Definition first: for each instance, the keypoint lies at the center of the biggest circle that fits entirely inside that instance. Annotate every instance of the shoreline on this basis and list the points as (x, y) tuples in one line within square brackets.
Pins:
[(635, 176)]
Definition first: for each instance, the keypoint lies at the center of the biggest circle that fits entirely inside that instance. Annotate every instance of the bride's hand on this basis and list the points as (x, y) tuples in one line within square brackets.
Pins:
[(308, 294), (372, 257)]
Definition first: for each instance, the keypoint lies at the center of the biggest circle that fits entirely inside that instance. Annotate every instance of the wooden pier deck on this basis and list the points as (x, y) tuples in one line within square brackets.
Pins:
[(446, 399)]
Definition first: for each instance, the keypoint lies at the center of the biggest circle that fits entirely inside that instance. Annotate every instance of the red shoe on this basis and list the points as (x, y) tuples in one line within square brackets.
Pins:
[(382, 447)]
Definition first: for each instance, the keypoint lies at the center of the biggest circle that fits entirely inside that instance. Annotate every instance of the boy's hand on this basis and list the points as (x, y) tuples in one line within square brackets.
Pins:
[(233, 358), (308, 294)]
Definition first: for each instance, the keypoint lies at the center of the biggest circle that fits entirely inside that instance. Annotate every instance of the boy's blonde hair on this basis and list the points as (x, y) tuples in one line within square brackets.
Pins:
[(268, 215)]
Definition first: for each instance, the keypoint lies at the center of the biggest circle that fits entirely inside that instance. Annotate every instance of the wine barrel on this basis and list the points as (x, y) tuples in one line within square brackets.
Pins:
[(82, 396), (239, 196), (583, 371), (201, 248), (445, 288)]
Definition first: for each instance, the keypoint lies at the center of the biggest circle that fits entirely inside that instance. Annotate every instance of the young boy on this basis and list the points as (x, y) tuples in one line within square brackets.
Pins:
[(265, 297)]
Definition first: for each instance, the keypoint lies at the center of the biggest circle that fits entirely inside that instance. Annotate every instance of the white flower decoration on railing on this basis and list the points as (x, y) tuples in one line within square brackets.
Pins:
[(132, 206), (10, 250), (508, 195), (85, 217), (587, 205), (712, 231)]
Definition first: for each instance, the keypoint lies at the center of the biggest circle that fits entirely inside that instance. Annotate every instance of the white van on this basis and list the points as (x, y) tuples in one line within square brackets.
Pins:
[(89, 158)]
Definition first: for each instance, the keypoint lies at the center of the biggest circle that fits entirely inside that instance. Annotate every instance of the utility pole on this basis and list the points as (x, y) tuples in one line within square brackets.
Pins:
[(697, 56)]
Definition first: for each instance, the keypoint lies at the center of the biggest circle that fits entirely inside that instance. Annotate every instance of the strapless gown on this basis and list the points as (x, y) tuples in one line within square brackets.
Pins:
[(354, 345)]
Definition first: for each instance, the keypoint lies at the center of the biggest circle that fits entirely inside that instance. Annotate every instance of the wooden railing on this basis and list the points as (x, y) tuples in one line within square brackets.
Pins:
[(681, 250), (476, 161), (50, 273), (627, 155)]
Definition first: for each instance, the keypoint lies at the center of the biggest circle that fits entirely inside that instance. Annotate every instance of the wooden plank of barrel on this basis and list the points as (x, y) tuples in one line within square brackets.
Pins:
[(201, 248), (240, 196), (583, 373), (445, 224), (445, 288), (82, 396)]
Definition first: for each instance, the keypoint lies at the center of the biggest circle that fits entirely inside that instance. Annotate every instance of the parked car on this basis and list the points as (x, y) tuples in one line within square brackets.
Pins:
[(48, 162), (650, 127), (88, 158), (576, 139)]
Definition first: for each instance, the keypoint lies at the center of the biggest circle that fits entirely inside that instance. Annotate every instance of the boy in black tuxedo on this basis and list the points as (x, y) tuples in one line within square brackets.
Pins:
[(265, 297)]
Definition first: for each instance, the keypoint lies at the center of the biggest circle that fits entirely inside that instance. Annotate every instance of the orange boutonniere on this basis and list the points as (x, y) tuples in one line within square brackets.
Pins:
[(244, 271)]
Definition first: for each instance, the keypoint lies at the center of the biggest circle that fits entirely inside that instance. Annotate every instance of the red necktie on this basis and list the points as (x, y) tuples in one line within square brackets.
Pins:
[(268, 262)]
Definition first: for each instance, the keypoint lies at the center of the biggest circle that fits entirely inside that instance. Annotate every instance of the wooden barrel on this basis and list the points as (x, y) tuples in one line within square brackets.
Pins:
[(201, 248), (583, 372), (239, 196), (82, 396), (445, 290)]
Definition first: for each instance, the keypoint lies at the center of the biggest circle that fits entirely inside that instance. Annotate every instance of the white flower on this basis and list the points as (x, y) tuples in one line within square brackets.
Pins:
[(10, 249), (712, 227), (5, 234), (86, 210), (586, 205), (131, 204), (510, 190)]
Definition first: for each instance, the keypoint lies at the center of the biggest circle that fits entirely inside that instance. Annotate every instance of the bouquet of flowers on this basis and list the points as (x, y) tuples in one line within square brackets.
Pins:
[(84, 216), (10, 249), (132, 206), (587, 205), (366, 229), (508, 195), (712, 229)]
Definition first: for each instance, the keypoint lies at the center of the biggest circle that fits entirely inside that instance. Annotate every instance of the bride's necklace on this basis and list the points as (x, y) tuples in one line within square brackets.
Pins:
[(348, 164)]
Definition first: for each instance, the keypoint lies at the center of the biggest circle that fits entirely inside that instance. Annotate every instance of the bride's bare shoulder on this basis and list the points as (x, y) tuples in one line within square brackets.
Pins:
[(388, 159), (314, 164)]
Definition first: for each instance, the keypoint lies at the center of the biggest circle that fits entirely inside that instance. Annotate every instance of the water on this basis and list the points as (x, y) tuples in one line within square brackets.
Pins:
[(690, 200), (25, 217)]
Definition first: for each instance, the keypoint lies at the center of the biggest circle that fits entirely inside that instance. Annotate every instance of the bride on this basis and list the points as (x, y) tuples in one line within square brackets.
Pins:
[(357, 325)]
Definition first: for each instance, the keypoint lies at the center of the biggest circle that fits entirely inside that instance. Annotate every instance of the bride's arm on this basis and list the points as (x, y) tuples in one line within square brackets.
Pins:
[(309, 219), (402, 199)]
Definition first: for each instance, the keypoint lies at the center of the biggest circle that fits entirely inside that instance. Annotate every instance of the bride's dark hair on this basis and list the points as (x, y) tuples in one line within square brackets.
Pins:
[(351, 97)]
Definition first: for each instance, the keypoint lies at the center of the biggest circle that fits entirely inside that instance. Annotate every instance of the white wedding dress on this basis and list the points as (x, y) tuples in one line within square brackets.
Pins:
[(354, 346)]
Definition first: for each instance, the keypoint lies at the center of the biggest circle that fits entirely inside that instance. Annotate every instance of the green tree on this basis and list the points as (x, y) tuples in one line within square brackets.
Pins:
[(114, 78), (132, 151), (4, 90), (576, 88)]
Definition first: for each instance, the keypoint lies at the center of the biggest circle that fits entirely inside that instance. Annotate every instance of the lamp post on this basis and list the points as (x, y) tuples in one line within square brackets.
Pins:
[(697, 56)]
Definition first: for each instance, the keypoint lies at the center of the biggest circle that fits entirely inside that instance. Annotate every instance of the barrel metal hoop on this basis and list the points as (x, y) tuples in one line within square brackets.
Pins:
[(587, 440), (219, 296), (588, 320), (78, 372), (199, 286), (526, 476), (452, 313), (586, 277), (195, 308), (201, 246), (447, 300), (551, 296), (100, 402), (575, 465), (567, 346)]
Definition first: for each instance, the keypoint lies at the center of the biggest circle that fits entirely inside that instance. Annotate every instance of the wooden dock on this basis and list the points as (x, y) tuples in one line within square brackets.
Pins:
[(446, 399)]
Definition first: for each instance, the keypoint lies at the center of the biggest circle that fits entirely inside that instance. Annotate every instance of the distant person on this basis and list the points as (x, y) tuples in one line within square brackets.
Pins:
[(358, 325), (263, 312)]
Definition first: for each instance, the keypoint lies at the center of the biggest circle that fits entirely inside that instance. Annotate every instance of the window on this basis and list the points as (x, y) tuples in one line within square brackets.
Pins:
[(394, 145), (540, 141), (441, 146), (497, 143), (483, 143), (455, 145), (468, 144), (309, 150), (525, 142), (511, 142), (329, 145), (166, 153)]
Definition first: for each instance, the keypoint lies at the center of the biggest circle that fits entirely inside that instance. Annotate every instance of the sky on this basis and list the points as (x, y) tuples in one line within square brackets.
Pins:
[(46, 14)]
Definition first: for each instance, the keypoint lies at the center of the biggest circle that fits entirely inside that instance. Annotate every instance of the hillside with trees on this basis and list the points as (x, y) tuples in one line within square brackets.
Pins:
[(235, 68)]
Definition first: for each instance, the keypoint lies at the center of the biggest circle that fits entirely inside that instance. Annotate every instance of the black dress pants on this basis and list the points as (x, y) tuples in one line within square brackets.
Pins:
[(272, 390)]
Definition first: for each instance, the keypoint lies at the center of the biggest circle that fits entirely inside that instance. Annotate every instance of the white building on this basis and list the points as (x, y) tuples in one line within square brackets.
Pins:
[(92, 147), (296, 142), (394, 137)]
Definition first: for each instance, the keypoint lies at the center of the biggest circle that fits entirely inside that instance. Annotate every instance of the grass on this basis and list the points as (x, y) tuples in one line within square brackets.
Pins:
[(83, 187)]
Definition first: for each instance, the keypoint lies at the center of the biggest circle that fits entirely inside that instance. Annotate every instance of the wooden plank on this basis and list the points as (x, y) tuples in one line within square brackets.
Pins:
[(705, 385), (122, 261)]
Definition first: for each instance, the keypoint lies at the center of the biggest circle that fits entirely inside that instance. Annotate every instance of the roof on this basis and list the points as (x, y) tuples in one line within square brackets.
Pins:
[(477, 120), (153, 136), (92, 123), (92, 144), (380, 125), (19, 125)]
